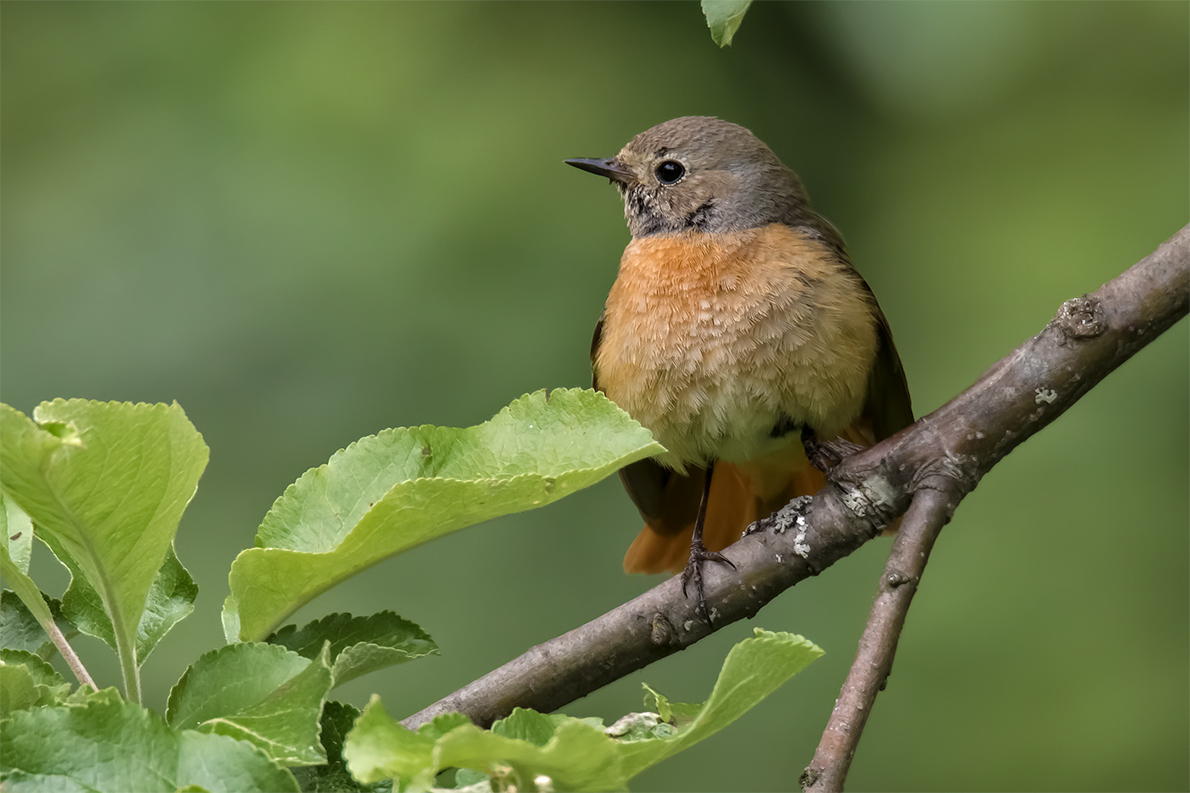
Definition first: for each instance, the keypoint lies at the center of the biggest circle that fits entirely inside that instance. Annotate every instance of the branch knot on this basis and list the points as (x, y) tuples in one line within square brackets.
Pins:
[(947, 474), (663, 632), (870, 497), (1081, 318)]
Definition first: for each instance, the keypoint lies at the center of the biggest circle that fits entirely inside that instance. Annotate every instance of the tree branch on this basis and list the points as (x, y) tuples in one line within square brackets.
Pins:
[(929, 512), (946, 452), (1145, 300)]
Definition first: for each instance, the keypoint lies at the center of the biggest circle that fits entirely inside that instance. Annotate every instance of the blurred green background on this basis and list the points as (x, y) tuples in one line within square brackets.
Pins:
[(308, 222)]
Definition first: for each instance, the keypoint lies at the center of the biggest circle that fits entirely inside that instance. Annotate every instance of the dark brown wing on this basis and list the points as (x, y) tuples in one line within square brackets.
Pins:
[(596, 338), (888, 407), (667, 500)]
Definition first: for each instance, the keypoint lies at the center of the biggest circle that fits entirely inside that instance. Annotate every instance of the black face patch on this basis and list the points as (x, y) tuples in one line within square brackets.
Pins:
[(643, 216)]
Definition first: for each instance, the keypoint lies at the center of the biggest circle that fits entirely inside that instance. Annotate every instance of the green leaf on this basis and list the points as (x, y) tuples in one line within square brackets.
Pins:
[(106, 482), (19, 782), (358, 645), (529, 725), (438, 726), (171, 598), (20, 630), (333, 777), (261, 693), (36, 606), (724, 18), (575, 754), (754, 669), (641, 726), (229, 679), (113, 746), (536, 728), (390, 492), (677, 713), (27, 680), (19, 689), (378, 748), (465, 778), (85, 695), (16, 533), (27, 613)]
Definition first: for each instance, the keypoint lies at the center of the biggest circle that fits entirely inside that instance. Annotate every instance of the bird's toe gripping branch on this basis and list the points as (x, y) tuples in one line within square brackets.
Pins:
[(825, 455), (699, 555)]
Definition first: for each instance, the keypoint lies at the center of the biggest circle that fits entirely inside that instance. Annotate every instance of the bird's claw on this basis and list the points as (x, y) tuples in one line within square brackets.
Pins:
[(693, 572), (825, 455)]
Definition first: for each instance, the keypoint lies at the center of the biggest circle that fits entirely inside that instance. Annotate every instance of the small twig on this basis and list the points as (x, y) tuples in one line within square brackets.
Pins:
[(28, 593), (950, 450), (929, 512), (69, 655)]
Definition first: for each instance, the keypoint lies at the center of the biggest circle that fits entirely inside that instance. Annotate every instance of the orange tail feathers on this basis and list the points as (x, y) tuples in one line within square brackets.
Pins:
[(740, 494), (730, 509)]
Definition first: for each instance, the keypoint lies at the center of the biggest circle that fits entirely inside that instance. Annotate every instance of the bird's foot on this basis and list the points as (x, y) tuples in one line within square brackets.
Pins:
[(699, 555), (825, 455)]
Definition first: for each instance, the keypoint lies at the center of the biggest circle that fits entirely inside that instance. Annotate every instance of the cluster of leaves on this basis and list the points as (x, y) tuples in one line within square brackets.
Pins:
[(529, 750), (103, 486)]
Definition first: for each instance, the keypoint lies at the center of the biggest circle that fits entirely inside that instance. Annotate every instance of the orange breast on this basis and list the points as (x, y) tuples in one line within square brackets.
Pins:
[(711, 340)]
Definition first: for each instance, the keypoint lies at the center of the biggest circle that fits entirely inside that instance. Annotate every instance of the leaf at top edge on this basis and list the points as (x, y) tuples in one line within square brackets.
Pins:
[(724, 18), (358, 645), (390, 492)]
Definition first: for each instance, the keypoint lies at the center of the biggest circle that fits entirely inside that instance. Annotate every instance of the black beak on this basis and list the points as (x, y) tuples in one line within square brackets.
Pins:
[(611, 168)]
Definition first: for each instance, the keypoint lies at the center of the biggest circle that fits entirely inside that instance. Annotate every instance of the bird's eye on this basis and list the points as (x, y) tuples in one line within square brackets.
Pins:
[(670, 172)]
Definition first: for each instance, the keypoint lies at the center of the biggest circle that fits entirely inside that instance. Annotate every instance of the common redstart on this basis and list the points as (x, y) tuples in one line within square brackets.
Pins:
[(739, 333)]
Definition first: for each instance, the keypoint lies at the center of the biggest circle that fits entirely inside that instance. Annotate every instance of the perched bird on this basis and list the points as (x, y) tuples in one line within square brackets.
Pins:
[(738, 332)]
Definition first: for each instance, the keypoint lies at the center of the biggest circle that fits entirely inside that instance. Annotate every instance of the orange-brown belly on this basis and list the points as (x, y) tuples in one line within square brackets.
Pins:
[(710, 341)]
